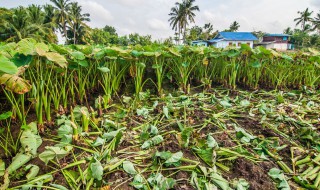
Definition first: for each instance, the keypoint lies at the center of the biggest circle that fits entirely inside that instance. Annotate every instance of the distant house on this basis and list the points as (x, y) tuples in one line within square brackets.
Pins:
[(277, 41), (199, 43), (225, 39)]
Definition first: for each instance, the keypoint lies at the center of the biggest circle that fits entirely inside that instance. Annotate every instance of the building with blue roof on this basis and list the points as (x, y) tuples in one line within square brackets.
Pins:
[(225, 39)]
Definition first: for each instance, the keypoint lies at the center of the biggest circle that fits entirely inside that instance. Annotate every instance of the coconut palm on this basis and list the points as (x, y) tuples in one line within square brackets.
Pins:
[(77, 21), (62, 15), (182, 14), (175, 19), (316, 23), (234, 26), (188, 13), (304, 18)]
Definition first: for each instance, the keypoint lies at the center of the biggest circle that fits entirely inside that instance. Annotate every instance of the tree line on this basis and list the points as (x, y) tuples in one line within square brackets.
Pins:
[(60, 16)]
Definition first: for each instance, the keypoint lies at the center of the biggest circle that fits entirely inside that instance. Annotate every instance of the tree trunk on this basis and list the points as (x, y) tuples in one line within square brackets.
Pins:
[(74, 35)]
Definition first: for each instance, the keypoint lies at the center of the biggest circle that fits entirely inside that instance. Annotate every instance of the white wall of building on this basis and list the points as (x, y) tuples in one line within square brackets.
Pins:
[(224, 44), (280, 46), (277, 46)]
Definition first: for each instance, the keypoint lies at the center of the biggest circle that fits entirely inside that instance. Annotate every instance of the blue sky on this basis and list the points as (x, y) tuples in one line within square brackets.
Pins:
[(151, 16)]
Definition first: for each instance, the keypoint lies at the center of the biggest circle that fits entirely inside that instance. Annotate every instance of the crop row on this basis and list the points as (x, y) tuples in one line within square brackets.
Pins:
[(45, 77)]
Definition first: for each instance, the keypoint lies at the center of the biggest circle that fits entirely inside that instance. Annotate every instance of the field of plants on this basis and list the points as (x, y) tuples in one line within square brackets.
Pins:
[(157, 117)]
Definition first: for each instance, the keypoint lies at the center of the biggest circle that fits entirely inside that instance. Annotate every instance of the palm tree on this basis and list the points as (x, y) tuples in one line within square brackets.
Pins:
[(288, 31), (305, 17), (316, 23), (182, 14), (188, 14), (175, 19), (62, 15), (77, 21), (234, 26)]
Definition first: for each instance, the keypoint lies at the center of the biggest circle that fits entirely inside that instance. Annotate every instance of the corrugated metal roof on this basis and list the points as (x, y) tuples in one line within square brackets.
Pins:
[(277, 35), (245, 36), (215, 40)]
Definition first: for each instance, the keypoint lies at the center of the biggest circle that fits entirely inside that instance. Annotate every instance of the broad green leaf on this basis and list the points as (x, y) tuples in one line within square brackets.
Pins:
[(56, 58), (104, 69), (41, 49), (7, 66), (26, 46), (52, 152), (83, 63), (78, 55), (65, 130), (96, 170), (255, 64), (129, 168), (21, 60)]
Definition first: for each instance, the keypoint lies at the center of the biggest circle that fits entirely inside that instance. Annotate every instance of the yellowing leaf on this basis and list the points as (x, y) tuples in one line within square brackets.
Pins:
[(56, 58), (15, 84)]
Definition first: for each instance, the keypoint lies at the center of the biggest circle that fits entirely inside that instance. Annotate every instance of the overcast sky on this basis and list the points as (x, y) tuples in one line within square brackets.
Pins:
[(151, 16)]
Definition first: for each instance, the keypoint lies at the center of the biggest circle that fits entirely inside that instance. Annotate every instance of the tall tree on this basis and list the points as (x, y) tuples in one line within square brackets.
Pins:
[(176, 19), (183, 14), (316, 23), (62, 14), (234, 27), (77, 25), (304, 18)]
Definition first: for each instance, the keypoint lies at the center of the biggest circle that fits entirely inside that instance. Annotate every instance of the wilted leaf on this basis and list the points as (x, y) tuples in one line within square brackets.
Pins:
[(129, 168), (152, 142), (96, 169), (15, 84), (33, 171), (18, 161), (52, 152), (30, 142)]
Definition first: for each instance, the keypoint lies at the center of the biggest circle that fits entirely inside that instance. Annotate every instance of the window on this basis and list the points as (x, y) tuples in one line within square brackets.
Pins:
[(248, 43), (230, 43), (239, 44)]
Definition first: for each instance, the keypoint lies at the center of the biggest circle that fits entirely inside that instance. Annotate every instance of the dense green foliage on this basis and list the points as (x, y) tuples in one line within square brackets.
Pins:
[(61, 75)]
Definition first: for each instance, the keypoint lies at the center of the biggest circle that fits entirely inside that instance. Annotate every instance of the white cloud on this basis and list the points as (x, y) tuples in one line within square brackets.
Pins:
[(156, 24), (315, 3), (99, 15)]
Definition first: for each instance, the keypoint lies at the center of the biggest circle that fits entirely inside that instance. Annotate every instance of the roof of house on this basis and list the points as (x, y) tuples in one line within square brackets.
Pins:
[(237, 36), (214, 40), (278, 35)]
